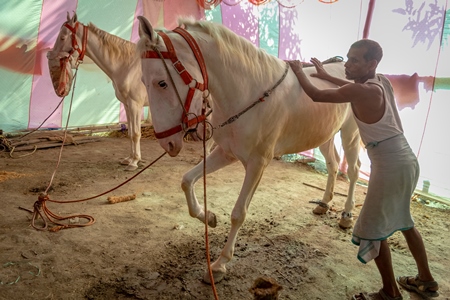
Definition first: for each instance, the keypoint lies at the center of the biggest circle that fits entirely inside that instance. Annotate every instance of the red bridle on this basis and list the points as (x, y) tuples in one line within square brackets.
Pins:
[(185, 75), (75, 47)]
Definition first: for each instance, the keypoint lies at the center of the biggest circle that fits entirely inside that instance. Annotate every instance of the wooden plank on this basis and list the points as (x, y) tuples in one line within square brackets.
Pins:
[(54, 144)]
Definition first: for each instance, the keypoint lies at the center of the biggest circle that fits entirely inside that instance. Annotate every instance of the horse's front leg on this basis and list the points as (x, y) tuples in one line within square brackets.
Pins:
[(253, 172), (133, 111), (215, 161)]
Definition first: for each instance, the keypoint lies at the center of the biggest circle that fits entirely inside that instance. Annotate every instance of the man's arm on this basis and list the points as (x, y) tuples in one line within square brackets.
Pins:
[(339, 95)]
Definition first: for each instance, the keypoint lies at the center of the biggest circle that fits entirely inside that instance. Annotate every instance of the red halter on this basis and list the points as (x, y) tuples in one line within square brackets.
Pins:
[(75, 47), (185, 75)]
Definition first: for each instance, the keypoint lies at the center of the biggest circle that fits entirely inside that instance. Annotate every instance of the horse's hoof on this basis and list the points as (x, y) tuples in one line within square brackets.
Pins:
[(212, 220), (217, 275), (346, 222), (125, 161), (320, 210), (131, 168)]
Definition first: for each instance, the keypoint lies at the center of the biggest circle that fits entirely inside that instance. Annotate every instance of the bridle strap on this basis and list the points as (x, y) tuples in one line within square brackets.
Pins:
[(198, 55), (171, 54), (185, 75), (75, 47)]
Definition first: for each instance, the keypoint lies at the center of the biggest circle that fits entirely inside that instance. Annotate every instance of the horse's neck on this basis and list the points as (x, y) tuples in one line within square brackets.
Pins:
[(99, 53), (239, 90)]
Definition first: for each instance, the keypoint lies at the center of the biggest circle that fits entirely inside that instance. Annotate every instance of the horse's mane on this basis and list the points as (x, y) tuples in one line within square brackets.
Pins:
[(117, 47), (235, 48)]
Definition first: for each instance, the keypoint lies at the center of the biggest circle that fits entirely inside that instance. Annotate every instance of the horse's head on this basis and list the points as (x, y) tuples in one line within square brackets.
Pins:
[(64, 56), (173, 79)]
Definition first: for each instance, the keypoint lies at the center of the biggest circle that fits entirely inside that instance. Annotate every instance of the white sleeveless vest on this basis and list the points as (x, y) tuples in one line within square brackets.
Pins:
[(389, 125)]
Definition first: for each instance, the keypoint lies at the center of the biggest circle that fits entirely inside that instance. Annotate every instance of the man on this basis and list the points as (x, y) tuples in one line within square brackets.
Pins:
[(394, 167)]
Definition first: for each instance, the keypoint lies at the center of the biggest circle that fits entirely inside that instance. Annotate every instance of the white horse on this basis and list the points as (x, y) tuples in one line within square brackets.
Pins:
[(259, 111), (114, 56)]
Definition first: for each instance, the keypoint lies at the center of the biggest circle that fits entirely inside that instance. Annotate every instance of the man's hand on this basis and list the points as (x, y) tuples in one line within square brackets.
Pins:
[(320, 71), (295, 65)]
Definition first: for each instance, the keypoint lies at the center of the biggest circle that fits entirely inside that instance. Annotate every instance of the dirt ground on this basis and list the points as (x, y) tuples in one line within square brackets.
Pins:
[(150, 248)]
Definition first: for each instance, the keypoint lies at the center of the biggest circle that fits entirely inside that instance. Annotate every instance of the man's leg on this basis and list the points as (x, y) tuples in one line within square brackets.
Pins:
[(417, 248), (384, 265)]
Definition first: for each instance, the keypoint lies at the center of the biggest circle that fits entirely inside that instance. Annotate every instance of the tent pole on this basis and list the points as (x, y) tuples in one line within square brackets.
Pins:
[(368, 19)]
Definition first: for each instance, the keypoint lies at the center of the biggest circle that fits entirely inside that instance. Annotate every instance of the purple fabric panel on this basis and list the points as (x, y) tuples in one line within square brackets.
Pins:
[(289, 43), (242, 19), (122, 114), (43, 99)]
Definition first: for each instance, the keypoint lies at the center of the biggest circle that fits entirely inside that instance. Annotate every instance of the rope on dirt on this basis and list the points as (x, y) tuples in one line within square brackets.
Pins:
[(5, 145), (208, 257), (40, 208)]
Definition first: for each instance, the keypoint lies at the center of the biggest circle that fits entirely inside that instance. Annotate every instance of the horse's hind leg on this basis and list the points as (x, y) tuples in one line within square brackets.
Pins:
[(328, 150), (351, 144), (133, 111)]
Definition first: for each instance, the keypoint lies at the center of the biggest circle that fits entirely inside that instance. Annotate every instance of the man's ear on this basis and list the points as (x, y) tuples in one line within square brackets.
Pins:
[(373, 64)]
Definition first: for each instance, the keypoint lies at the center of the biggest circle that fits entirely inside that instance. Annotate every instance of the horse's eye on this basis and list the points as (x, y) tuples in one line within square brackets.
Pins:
[(162, 84)]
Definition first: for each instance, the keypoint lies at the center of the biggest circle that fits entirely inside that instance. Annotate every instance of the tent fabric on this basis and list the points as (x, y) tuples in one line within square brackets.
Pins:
[(414, 36)]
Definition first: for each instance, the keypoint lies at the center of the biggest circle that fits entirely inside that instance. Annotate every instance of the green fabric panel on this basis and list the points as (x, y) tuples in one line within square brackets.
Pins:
[(19, 21), (446, 29), (105, 14), (14, 100), (442, 84), (19, 25), (94, 99), (268, 27), (214, 15)]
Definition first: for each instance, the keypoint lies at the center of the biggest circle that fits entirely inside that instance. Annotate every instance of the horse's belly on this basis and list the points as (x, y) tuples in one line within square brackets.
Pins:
[(313, 127)]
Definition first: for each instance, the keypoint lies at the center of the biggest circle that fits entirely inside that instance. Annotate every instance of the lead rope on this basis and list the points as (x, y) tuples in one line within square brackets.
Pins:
[(262, 99), (205, 208), (65, 129), (208, 257)]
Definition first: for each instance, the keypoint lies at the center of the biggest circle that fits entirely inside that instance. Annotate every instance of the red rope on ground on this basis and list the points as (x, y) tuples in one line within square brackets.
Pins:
[(41, 204)]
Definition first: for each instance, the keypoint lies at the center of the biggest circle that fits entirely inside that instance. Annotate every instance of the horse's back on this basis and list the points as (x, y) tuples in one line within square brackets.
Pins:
[(305, 124)]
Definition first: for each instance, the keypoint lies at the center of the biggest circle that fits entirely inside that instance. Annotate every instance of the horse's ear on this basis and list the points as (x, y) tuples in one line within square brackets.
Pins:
[(146, 29), (74, 18)]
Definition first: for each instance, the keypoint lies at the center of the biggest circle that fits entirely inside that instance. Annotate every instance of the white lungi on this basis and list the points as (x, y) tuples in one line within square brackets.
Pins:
[(386, 209)]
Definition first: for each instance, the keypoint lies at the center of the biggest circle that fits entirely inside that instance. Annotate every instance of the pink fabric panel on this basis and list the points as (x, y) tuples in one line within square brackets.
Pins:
[(153, 11), (122, 114), (241, 20), (173, 9), (135, 30), (43, 98)]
